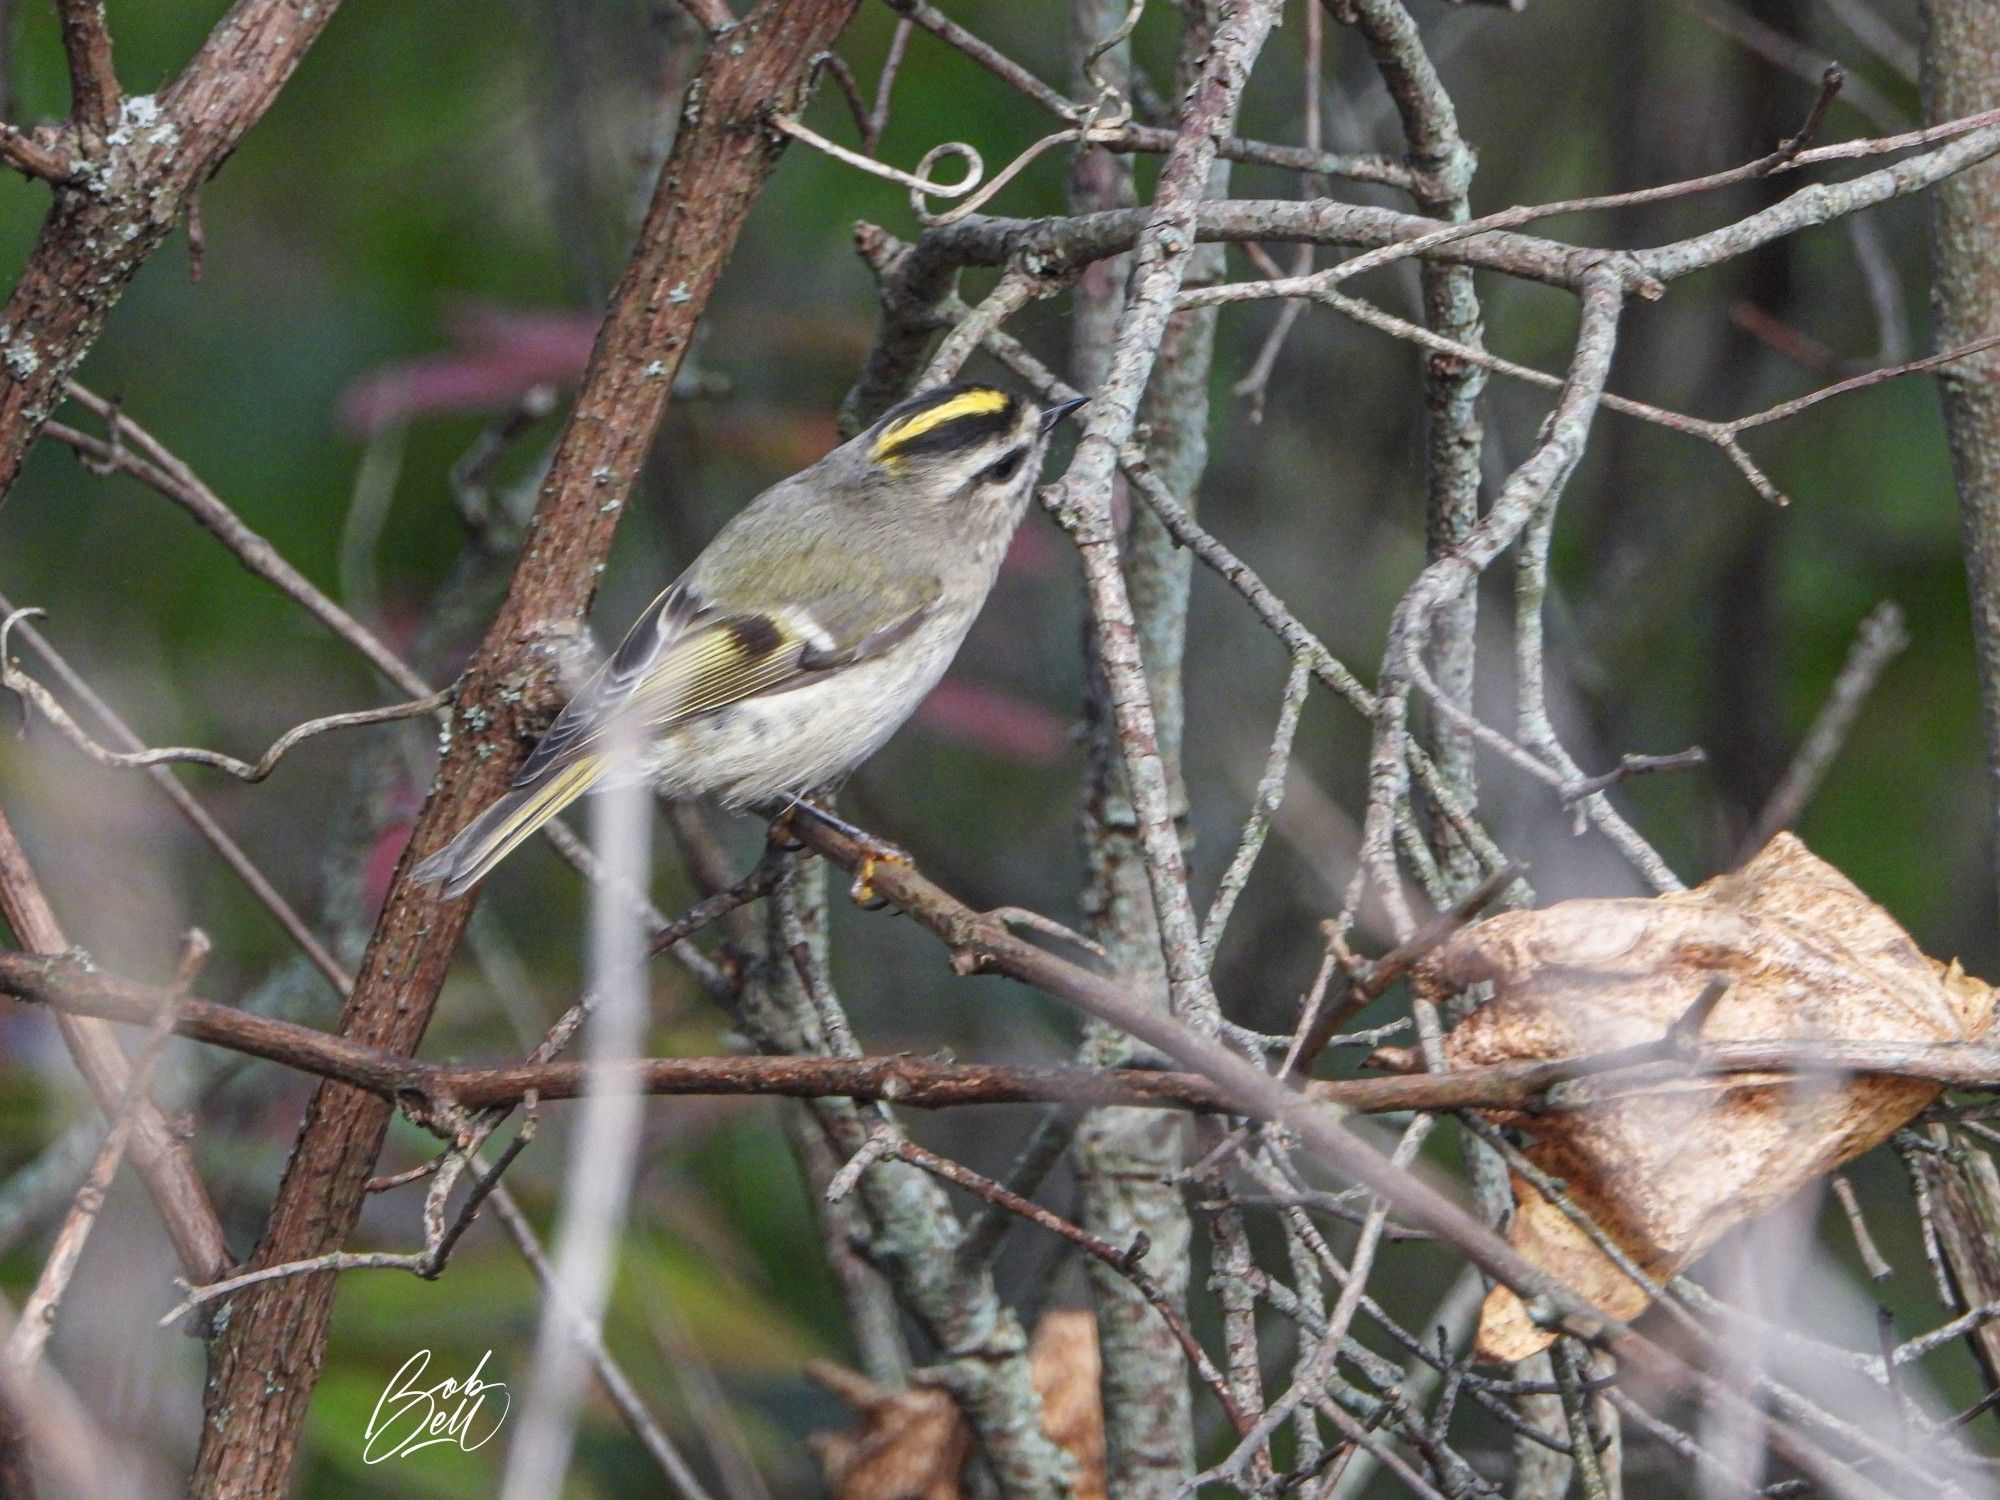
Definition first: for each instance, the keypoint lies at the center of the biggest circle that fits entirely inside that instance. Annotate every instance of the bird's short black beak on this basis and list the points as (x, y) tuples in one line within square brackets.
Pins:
[(1060, 410)]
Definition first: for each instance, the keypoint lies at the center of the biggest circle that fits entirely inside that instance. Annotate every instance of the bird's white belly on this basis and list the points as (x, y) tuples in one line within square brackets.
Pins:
[(807, 737)]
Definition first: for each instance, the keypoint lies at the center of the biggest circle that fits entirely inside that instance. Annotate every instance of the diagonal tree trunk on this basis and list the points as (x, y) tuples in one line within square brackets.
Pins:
[(267, 1358)]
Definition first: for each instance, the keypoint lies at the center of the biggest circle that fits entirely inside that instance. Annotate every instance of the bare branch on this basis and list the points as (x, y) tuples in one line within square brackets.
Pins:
[(1880, 639), (1791, 55), (1133, 137), (1263, 806), (38, 1313), (150, 461), (1081, 500), (142, 177), (93, 82), (1879, 1269), (131, 449), (877, 118), (218, 838), (14, 680), (159, 1152), (617, 1384), (33, 157), (714, 16)]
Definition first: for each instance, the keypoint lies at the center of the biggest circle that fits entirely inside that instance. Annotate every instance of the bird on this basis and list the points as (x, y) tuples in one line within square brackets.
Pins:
[(805, 633)]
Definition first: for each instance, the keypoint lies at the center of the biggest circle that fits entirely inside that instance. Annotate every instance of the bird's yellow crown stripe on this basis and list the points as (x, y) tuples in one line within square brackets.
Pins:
[(975, 403)]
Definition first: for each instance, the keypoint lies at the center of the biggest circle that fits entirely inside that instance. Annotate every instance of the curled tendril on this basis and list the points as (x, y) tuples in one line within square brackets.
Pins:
[(7, 625), (1112, 109), (1103, 120), (985, 194), (917, 182), (975, 172)]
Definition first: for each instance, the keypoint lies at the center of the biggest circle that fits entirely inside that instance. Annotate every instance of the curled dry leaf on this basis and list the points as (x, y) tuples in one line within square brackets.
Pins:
[(1063, 1367), (1666, 1168), (911, 1444)]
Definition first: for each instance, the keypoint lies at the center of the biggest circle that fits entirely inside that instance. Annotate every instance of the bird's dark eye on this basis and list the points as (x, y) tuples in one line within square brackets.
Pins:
[(1002, 470)]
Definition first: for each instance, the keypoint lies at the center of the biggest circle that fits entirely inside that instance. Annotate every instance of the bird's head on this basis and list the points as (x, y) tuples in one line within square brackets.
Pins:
[(964, 454)]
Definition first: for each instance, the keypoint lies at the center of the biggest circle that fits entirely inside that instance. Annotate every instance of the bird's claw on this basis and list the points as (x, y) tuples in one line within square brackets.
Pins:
[(862, 891), (872, 852), (783, 834)]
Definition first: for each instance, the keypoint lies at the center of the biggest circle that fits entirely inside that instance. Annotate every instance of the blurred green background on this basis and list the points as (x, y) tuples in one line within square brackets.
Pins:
[(421, 230)]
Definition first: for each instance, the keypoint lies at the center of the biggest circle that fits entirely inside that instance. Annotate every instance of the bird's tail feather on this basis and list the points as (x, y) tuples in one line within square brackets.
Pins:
[(501, 829)]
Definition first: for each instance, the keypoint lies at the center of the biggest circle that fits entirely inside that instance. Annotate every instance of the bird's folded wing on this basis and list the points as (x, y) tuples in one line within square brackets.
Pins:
[(685, 657)]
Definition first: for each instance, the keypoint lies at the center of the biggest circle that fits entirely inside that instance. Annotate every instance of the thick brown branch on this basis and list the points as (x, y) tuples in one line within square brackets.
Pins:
[(129, 187), (69, 985)]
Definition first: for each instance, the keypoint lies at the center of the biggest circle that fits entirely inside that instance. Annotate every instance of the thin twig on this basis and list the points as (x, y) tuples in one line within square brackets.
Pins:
[(1794, 57), (1636, 765), (38, 1312), (159, 1151), (1576, 1409), (1878, 1268), (1126, 1262), (14, 680), (1313, 1375), (133, 450), (1263, 807), (203, 822), (1133, 137), (877, 119), (440, 1237), (624, 1395), (1880, 639)]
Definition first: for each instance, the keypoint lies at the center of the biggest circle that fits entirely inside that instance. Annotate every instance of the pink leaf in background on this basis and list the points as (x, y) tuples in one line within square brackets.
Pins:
[(497, 354), (993, 720)]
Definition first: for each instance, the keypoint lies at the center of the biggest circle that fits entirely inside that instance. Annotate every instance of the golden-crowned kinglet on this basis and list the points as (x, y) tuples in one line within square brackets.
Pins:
[(806, 632)]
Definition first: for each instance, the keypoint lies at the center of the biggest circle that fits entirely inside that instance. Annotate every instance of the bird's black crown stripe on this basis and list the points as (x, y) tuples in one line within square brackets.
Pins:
[(947, 419)]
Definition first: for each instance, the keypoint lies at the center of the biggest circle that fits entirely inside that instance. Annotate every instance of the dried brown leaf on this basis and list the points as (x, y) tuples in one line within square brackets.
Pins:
[(1063, 1364), (911, 1444), (1664, 1171)]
